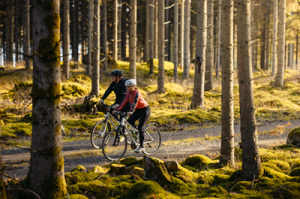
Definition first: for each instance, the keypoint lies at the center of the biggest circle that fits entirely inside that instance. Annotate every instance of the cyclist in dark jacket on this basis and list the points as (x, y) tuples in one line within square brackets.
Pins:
[(119, 88)]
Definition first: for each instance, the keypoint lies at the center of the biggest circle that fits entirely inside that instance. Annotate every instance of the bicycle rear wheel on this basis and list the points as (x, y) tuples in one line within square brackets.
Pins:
[(114, 145), (152, 140), (98, 133)]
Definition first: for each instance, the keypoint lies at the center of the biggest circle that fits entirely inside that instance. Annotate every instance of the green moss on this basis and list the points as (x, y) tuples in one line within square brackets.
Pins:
[(78, 168), (216, 191), (242, 185), (76, 196), (267, 156), (55, 187), (128, 160), (117, 169), (271, 173), (158, 172), (271, 165), (235, 175), (105, 186), (99, 169), (213, 179), (78, 176), (185, 175), (147, 190), (295, 172), (198, 161), (289, 147), (295, 163), (283, 166)]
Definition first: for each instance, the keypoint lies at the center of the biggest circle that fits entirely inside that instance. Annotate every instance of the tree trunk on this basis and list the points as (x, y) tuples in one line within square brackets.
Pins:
[(227, 138), (146, 43), (156, 30), (132, 46), (182, 34), (2, 187), (199, 79), (90, 27), (124, 31), (268, 35), (167, 39), (115, 30), (210, 46), (186, 67), (46, 172), (161, 47), (151, 30), (120, 31), (75, 19), (297, 50), (192, 42), (218, 65), (275, 25), (253, 36), (281, 43), (251, 159), (263, 38), (82, 28), (96, 47), (27, 34), (175, 73), (290, 56), (66, 39), (104, 3), (16, 31), (9, 31)]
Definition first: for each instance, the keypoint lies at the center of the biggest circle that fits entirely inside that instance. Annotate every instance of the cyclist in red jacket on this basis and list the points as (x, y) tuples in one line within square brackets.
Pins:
[(139, 110)]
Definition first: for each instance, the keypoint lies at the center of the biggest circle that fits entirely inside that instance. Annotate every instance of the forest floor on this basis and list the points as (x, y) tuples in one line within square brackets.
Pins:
[(175, 146), (184, 131)]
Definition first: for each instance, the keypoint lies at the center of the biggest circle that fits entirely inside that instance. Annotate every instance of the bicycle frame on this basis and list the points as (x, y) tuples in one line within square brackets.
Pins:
[(124, 124)]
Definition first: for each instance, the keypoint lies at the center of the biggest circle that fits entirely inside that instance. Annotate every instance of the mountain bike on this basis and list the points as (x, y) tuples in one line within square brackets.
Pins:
[(103, 126), (114, 145)]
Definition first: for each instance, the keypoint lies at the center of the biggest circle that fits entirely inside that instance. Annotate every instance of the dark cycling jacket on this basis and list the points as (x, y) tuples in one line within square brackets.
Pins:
[(120, 91)]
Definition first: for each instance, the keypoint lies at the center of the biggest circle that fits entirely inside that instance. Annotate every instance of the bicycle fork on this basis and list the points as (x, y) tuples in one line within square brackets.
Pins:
[(117, 137)]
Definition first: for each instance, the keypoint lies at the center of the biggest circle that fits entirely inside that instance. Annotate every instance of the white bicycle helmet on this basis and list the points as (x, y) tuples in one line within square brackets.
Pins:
[(130, 82)]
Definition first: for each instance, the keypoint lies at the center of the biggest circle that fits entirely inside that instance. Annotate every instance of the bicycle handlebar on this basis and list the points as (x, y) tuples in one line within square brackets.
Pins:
[(121, 113)]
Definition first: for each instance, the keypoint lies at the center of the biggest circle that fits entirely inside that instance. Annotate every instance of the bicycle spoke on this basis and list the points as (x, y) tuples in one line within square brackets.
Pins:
[(114, 147), (98, 133), (152, 140)]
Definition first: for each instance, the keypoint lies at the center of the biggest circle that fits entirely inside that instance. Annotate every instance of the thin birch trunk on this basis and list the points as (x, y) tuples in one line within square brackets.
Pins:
[(186, 67), (151, 42), (297, 51), (218, 65), (275, 30), (167, 39), (290, 56), (227, 137), (263, 37), (161, 47), (210, 46), (268, 35), (281, 43), (175, 73), (146, 43), (251, 158), (66, 39), (120, 31), (90, 37), (115, 30), (96, 47), (199, 79), (132, 45), (46, 172)]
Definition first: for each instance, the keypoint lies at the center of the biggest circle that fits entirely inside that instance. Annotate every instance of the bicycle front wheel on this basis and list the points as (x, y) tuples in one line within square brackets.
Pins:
[(98, 133), (152, 140), (114, 145)]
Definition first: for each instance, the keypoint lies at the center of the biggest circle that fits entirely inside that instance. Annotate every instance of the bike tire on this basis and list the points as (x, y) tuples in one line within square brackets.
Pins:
[(114, 152), (97, 139), (152, 147)]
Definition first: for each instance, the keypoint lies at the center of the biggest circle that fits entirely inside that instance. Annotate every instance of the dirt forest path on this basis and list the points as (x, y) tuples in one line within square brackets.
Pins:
[(175, 145)]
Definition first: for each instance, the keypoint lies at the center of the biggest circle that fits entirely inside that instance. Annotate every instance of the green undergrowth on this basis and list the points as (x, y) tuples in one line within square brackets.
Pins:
[(197, 176)]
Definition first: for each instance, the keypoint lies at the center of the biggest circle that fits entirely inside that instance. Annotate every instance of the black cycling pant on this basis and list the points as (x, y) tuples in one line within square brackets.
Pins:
[(142, 114)]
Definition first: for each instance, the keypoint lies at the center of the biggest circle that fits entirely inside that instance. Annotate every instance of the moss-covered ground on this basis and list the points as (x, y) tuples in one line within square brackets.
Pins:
[(197, 176), (169, 110)]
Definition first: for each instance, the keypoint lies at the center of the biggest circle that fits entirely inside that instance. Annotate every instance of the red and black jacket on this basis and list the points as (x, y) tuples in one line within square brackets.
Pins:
[(136, 100)]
